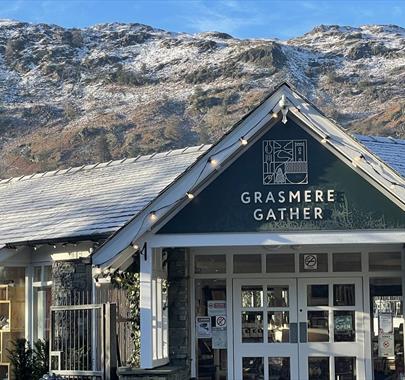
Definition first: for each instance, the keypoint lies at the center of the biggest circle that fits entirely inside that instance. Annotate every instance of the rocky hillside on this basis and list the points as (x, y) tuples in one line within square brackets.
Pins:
[(74, 96)]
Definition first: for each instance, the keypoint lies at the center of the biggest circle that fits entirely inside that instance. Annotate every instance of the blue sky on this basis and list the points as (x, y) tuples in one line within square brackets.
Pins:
[(241, 18)]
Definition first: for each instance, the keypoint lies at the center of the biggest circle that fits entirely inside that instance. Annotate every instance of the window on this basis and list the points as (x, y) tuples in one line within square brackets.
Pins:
[(42, 300), (385, 261), (347, 262), (247, 263), (280, 263), (210, 264)]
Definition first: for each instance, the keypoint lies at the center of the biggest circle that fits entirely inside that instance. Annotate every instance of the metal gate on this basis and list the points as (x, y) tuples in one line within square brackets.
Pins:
[(83, 341)]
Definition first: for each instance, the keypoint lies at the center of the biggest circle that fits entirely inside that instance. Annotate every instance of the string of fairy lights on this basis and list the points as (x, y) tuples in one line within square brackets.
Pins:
[(325, 139), (213, 162)]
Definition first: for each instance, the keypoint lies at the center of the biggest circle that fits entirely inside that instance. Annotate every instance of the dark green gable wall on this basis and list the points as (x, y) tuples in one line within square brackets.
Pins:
[(218, 208)]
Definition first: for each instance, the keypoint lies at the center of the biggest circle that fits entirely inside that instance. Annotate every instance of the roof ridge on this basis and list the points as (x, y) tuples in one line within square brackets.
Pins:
[(97, 165)]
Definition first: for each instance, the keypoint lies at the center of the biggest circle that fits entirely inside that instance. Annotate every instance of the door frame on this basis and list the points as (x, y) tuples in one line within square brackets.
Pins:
[(248, 349), (330, 249), (331, 349)]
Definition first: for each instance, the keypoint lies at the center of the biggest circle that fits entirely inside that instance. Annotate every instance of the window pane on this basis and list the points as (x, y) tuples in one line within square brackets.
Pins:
[(210, 264), (318, 326), (344, 295), (280, 263), (37, 274), (313, 262), (252, 296), (278, 327), (252, 327), (318, 295), (279, 369), (253, 368), (277, 296), (347, 262), (390, 261), (318, 368), (247, 263), (345, 368), (48, 273), (344, 326)]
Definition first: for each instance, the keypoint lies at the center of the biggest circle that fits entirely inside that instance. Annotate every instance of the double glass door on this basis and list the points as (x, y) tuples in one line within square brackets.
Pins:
[(298, 329)]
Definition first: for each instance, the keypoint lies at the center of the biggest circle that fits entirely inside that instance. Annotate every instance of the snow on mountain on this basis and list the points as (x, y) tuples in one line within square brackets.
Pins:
[(73, 96)]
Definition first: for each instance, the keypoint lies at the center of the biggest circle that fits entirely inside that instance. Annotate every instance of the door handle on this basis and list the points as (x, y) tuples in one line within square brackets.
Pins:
[(294, 332), (303, 332)]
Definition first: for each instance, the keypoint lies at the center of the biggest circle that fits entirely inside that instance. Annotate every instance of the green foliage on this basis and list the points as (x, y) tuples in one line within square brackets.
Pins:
[(40, 356), (21, 359), (28, 363), (130, 281)]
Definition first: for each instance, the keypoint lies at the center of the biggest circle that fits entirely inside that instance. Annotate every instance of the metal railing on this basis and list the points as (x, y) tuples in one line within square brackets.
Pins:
[(83, 341)]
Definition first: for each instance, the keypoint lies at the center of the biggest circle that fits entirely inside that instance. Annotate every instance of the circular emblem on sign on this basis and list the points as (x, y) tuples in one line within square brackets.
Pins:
[(310, 262), (221, 321), (386, 344)]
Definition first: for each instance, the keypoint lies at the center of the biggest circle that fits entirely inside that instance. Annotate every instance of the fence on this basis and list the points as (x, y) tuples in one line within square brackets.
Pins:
[(83, 340)]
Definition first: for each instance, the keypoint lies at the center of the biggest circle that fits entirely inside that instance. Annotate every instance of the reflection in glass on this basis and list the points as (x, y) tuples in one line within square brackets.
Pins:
[(252, 368), (347, 262), (318, 368), (252, 296), (343, 295), (278, 327), (344, 326), (318, 326), (247, 263), (318, 295), (280, 263), (252, 327), (279, 368), (277, 296), (385, 261), (210, 264), (345, 368)]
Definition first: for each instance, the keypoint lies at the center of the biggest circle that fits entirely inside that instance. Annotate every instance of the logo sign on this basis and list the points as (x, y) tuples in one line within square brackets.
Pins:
[(310, 262), (285, 162), (220, 321)]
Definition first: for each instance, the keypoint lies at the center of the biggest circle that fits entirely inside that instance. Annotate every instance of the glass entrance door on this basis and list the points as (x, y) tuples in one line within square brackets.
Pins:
[(265, 330), (306, 329), (331, 343)]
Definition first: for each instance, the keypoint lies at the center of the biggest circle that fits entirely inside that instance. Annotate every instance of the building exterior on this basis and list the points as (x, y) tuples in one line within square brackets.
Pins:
[(282, 246)]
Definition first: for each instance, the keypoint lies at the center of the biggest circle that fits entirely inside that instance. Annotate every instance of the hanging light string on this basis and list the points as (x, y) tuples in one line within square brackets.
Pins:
[(243, 141), (189, 195), (360, 158)]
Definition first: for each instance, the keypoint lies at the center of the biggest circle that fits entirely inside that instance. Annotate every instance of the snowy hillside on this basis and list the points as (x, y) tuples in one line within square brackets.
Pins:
[(70, 96)]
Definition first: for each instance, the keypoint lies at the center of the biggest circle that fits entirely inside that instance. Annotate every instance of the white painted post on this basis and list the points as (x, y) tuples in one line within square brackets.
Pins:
[(145, 304)]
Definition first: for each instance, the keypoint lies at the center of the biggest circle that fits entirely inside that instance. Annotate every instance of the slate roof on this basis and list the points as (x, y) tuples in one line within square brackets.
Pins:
[(94, 200), (388, 149), (86, 201)]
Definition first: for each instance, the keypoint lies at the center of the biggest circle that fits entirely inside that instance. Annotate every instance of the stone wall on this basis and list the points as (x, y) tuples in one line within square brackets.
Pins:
[(179, 308), (72, 282)]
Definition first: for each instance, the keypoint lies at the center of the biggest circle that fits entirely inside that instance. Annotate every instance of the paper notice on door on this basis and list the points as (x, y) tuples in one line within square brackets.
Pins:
[(203, 327), (216, 308), (219, 338), (386, 346), (385, 323)]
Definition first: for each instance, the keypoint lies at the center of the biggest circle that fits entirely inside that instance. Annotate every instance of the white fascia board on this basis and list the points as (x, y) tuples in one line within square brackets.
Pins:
[(199, 173), (277, 239), (348, 148)]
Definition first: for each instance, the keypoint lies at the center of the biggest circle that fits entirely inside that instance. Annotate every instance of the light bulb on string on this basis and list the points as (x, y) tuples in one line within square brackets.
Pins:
[(214, 163), (153, 216), (190, 195), (243, 141), (325, 140)]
